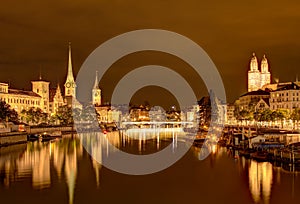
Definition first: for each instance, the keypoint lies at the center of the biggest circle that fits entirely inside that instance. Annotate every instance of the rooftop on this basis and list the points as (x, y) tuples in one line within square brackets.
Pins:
[(22, 92)]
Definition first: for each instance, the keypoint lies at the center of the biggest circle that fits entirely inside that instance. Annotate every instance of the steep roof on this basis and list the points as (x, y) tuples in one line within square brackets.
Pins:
[(267, 101), (52, 92), (205, 100), (22, 92), (291, 86), (257, 93)]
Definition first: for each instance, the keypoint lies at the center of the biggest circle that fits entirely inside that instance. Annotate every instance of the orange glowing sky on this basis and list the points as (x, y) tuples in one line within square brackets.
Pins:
[(35, 34)]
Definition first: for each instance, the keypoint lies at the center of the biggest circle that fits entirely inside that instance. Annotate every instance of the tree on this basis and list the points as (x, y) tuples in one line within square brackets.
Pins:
[(34, 116), (64, 115), (245, 115), (7, 113), (295, 116), (280, 114), (89, 114)]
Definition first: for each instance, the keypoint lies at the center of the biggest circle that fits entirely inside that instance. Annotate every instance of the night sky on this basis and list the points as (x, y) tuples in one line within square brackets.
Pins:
[(34, 36)]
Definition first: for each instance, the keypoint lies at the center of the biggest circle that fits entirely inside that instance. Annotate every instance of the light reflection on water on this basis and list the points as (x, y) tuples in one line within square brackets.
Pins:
[(260, 181), (46, 164)]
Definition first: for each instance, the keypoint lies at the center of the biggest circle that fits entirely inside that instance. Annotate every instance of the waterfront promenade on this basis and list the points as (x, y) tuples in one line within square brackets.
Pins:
[(11, 138)]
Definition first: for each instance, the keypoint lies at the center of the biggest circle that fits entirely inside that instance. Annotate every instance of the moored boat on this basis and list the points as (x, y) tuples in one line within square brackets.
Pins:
[(260, 156), (34, 137), (51, 136)]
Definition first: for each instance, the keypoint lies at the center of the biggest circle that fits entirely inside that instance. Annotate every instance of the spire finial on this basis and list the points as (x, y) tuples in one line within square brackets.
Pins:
[(40, 74), (253, 54), (96, 85), (70, 68)]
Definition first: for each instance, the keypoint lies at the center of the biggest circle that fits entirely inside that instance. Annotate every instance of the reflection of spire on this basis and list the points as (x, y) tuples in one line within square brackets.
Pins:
[(71, 170), (97, 167), (58, 159)]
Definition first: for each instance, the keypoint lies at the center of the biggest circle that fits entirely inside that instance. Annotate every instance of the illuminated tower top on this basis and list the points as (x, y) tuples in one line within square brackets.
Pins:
[(264, 65), (96, 84), (70, 86), (253, 63), (96, 92)]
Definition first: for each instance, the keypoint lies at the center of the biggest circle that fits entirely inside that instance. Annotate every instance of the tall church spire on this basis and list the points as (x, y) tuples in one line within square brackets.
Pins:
[(70, 68), (70, 86), (96, 92), (96, 84)]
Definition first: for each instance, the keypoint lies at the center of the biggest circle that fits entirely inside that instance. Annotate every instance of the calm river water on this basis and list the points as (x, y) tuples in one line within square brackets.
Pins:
[(62, 171)]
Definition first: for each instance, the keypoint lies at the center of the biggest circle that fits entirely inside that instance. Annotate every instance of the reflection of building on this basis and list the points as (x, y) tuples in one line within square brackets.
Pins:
[(260, 181), (36, 159), (257, 79)]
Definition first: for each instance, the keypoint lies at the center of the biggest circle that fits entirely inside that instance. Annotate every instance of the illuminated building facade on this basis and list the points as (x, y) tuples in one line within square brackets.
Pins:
[(19, 99), (286, 97), (258, 78), (41, 96)]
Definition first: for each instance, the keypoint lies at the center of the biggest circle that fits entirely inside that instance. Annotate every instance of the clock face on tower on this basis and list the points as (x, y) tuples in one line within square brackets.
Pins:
[(68, 84)]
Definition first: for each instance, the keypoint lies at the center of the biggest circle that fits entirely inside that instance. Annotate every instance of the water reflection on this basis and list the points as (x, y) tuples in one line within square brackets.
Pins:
[(260, 181), (35, 162), (43, 164)]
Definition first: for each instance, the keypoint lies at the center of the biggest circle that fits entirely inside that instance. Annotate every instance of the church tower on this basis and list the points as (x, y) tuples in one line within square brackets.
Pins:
[(41, 87), (265, 76), (96, 92), (70, 86), (254, 75)]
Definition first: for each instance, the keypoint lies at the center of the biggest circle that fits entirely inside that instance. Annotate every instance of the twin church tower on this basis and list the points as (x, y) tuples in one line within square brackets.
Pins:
[(70, 85), (258, 78)]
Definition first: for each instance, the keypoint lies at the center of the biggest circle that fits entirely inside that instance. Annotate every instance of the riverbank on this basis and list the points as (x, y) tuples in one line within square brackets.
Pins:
[(12, 138)]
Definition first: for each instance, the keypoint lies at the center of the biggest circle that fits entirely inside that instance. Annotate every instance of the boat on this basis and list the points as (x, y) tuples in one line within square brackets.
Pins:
[(51, 136), (34, 137), (198, 142), (260, 156), (246, 152)]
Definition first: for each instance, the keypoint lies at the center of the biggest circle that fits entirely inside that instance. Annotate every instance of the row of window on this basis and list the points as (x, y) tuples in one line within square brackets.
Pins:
[(3, 89), (282, 99), (21, 101), (286, 106), (286, 94)]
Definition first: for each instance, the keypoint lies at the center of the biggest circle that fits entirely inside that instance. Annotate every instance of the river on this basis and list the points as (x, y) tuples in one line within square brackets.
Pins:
[(62, 171)]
